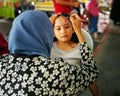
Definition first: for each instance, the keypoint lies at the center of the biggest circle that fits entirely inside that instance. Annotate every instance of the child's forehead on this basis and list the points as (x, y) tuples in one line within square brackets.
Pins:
[(62, 19)]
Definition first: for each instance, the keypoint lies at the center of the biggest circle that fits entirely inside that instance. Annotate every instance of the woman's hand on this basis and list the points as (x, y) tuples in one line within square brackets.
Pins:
[(76, 23)]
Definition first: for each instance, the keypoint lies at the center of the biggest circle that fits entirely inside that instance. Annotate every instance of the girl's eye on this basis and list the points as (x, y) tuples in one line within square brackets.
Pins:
[(57, 28), (66, 26)]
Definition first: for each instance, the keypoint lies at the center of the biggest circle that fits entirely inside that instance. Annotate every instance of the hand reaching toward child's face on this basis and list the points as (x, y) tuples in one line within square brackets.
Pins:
[(76, 21)]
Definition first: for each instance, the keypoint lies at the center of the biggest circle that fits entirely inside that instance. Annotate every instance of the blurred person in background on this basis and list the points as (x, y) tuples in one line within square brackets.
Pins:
[(93, 9), (115, 12), (65, 6), (76, 9), (22, 6)]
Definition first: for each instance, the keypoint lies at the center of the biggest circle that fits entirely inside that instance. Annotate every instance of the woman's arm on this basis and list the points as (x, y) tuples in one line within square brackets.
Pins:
[(76, 23), (89, 68), (87, 62)]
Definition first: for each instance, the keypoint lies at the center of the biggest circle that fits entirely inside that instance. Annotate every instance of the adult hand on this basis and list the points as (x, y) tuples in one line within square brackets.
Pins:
[(76, 21)]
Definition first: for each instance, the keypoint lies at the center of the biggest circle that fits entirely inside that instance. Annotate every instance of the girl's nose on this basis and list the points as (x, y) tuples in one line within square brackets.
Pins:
[(63, 30)]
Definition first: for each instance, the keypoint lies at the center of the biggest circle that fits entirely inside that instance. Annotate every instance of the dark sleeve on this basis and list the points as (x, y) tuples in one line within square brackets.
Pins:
[(89, 69)]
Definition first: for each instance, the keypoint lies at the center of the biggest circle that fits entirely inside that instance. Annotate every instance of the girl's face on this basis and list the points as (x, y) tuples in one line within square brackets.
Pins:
[(63, 29)]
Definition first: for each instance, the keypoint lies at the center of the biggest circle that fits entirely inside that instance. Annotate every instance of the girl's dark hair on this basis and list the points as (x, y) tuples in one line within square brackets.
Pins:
[(74, 37)]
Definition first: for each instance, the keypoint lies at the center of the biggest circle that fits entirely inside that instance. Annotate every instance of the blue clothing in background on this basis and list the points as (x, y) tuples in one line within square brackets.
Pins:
[(93, 24)]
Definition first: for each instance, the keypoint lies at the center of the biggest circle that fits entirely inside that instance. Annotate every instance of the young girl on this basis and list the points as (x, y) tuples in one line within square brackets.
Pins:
[(65, 47)]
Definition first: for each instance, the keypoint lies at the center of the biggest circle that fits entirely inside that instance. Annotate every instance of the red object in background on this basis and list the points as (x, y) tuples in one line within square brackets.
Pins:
[(85, 22), (3, 45), (1, 3)]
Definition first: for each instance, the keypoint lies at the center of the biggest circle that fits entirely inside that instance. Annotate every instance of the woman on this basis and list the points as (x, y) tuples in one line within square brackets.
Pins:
[(92, 8), (29, 71)]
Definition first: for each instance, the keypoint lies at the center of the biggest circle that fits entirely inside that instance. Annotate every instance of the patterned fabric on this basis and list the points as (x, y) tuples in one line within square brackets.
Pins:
[(22, 75)]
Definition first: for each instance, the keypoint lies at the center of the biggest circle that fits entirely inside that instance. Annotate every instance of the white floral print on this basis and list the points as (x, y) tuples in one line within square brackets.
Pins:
[(39, 76)]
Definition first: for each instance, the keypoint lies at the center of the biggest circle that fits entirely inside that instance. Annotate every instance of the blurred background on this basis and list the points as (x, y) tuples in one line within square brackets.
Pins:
[(12, 8), (9, 9)]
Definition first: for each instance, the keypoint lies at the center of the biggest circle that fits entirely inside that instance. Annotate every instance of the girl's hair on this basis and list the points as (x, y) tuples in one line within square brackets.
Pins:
[(74, 37)]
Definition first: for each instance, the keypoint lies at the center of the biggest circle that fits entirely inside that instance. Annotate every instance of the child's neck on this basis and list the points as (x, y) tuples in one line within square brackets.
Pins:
[(66, 45)]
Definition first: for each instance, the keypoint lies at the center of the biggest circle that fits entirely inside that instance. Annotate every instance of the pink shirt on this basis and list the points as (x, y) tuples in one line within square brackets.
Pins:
[(61, 8), (92, 7)]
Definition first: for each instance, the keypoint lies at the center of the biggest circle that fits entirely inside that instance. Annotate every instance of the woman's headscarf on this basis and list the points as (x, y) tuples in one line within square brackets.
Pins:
[(31, 34)]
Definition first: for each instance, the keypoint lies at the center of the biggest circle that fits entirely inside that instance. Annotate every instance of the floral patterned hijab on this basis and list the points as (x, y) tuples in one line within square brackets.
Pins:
[(31, 34)]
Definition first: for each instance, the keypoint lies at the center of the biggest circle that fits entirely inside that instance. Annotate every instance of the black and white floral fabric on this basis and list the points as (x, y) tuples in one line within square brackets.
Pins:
[(22, 75)]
